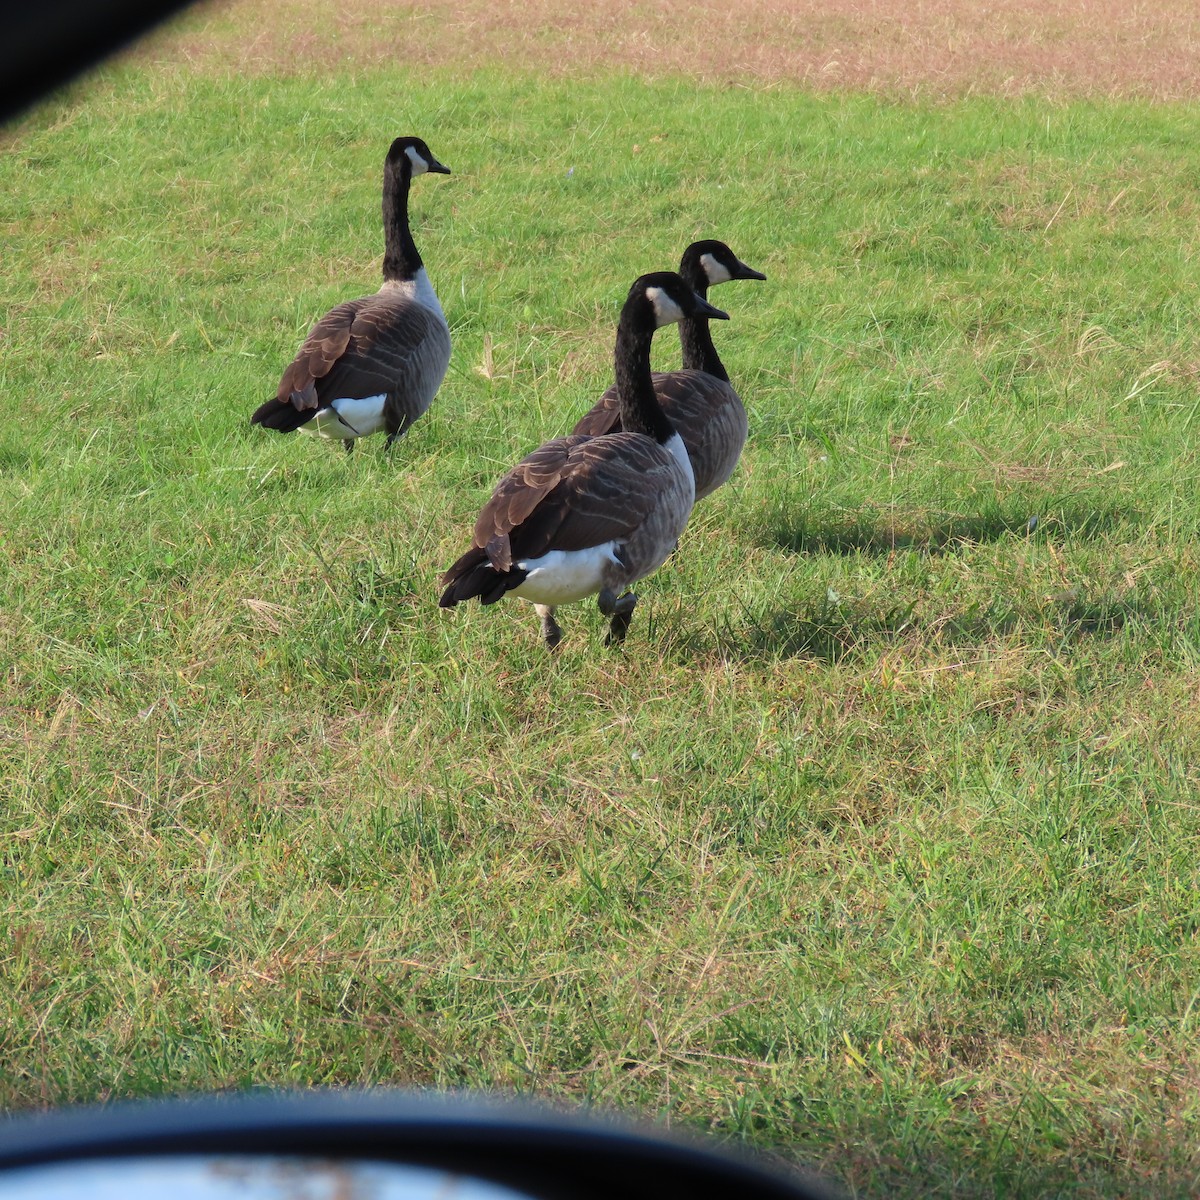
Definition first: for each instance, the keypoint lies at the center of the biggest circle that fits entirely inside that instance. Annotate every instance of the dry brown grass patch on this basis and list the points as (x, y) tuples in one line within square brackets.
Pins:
[(942, 47)]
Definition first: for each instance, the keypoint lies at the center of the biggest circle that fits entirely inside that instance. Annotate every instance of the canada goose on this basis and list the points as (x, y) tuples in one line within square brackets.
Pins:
[(376, 362), (699, 400), (583, 515)]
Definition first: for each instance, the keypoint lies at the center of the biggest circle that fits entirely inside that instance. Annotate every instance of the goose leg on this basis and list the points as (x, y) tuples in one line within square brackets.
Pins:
[(551, 630), (619, 610), (349, 444), (393, 434)]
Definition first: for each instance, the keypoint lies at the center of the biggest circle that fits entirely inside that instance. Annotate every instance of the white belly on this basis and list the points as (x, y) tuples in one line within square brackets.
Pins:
[(346, 419), (565, 575)]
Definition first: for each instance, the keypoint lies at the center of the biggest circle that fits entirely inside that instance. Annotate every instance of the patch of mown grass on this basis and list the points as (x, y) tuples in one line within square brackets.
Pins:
[(875, 846)]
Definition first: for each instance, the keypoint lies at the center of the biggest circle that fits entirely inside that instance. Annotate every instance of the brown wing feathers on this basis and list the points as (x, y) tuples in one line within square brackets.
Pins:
[(486, 569), (325, 344), (298, 395), (603, 417)]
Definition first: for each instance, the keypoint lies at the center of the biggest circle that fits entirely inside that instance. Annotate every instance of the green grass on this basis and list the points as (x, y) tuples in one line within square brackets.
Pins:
[(876, 846)]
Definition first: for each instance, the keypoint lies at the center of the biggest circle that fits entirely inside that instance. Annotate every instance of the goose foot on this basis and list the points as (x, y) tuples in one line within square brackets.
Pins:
[(551, 630), (619, 610)]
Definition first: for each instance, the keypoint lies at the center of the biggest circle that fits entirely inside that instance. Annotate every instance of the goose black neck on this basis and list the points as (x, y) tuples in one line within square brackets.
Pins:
[(699, 353), (401, 259), (640, 409)]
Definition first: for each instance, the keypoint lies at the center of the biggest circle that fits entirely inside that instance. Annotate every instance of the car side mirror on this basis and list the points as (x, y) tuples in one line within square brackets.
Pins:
[(374, 1145)]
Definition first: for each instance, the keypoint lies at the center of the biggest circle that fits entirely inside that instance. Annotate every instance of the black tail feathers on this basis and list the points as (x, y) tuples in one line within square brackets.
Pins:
[(473, 575), (281, 416)]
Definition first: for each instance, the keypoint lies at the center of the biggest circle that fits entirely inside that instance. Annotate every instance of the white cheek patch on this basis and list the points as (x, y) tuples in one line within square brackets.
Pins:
[(666, 311), (717, 272), (419, 165)]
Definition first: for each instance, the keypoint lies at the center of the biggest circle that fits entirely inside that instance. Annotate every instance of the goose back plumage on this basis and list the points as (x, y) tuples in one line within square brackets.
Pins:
[(383, 345), (624, 495), (708, 413), (699, 399)]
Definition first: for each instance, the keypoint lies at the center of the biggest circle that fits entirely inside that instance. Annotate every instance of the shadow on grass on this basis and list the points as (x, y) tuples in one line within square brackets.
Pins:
[(828, 634), (865, 533), (834, 631), (13, 459)]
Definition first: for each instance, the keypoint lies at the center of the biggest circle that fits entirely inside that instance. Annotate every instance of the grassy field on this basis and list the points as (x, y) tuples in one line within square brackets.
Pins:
[(876, 846)]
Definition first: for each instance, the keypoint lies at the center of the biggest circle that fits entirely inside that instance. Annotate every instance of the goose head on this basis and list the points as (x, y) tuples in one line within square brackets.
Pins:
[(412, 154), (663, 298), (710, 262)]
